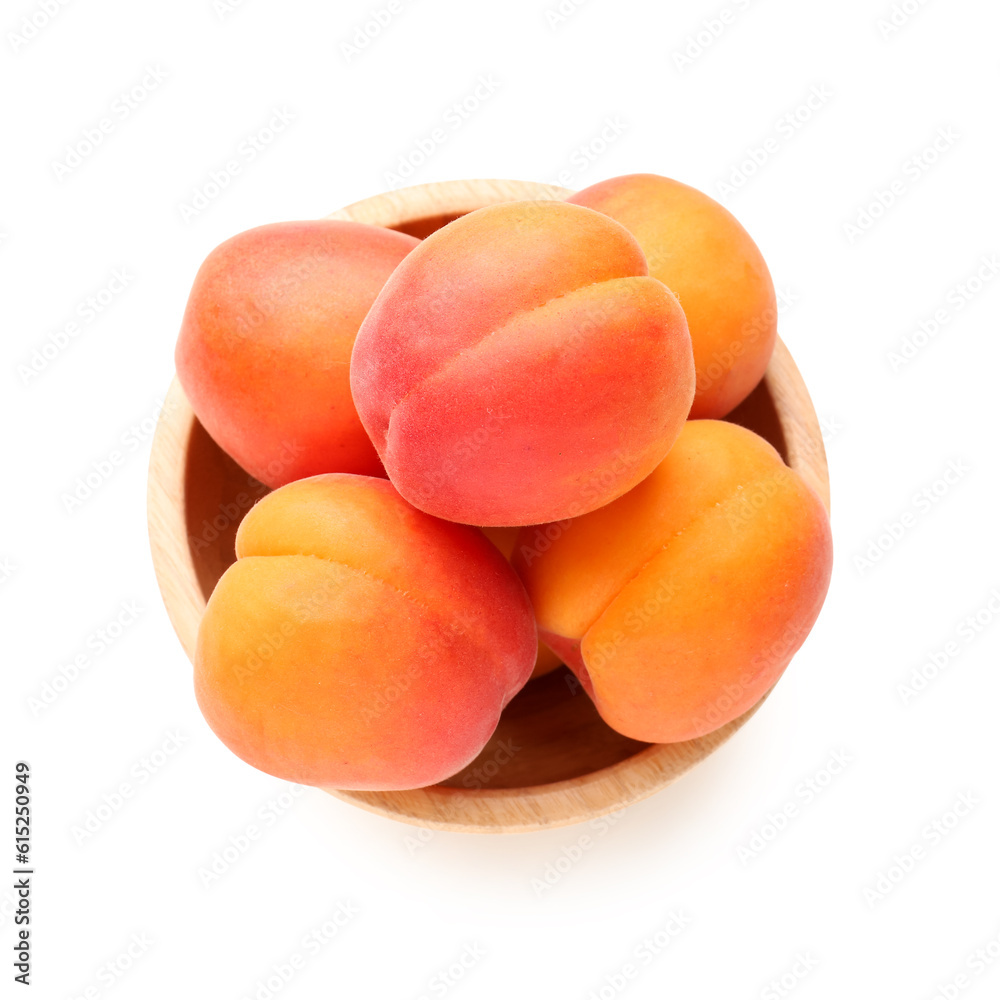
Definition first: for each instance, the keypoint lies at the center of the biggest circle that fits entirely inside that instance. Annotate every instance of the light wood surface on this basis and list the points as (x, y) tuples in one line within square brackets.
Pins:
[(552, 760)]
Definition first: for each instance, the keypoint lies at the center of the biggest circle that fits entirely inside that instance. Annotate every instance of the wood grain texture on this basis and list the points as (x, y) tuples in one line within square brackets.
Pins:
[(552, 761), (173, 560)]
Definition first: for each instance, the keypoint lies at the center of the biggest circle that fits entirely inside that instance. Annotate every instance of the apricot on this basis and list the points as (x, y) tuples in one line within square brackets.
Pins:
[(679, 605), (708, 260), (265, 344), (357, 642), (504, 539), (521, 366)]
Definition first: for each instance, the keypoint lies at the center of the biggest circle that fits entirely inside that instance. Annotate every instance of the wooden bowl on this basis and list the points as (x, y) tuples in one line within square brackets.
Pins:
[(552, 760)]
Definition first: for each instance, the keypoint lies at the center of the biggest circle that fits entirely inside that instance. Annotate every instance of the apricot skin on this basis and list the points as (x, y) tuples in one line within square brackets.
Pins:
[(504, 539), (707, 259), (358, 642), (520, 366), (680, 604), (265, 344)]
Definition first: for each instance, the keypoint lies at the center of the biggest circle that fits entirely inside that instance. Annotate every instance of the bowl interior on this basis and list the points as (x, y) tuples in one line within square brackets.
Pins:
[(551, 731)]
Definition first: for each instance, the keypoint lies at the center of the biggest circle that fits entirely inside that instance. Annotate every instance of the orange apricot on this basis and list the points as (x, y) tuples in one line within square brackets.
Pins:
[(358, 642), (265, 345), (680, 604), (520, 365), (707, 259)]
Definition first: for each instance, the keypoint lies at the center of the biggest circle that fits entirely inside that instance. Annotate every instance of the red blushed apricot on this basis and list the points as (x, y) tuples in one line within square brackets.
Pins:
[(504, 538), (265, 345), (520, 366), (680, 604), (358, 642), (707, 259)]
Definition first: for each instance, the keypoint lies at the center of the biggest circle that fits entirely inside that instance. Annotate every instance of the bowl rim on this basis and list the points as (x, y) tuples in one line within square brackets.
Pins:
[(499, 810)]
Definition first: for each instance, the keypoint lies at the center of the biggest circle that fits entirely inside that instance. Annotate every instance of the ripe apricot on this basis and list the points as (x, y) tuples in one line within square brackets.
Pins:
[(680, 604), (265, 345), (520, 365), (707, 259), (358, 642)]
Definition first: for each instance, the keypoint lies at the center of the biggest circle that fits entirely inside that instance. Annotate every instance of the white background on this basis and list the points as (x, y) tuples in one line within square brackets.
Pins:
[(890, 435)]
